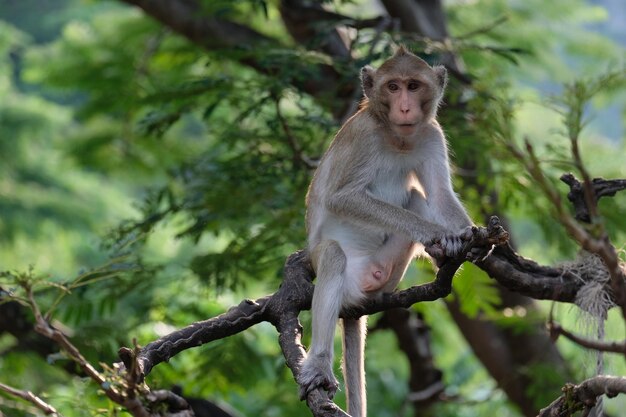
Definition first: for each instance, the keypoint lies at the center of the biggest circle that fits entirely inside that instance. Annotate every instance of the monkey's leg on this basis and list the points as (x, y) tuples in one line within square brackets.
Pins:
[(317, 368), (399, 270), (400, 253), (354, 332)]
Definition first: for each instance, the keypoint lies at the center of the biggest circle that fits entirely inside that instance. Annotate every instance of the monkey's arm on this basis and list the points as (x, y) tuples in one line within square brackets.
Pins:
[(445, 207), (435, 178), (362, 208)]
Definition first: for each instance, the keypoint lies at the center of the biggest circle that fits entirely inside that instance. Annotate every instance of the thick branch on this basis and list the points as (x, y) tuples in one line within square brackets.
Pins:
[(528, 278), (188, 19), (584, 396), (235, 320), (295, 295), (302, 19), (282, 309)]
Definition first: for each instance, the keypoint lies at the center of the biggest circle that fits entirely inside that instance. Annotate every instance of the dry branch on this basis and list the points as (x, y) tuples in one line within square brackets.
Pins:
[(584, 395), (601, 188), (127, 398), (283, 307)]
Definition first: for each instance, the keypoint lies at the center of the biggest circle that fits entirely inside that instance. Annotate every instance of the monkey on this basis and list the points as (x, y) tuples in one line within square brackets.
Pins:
[(380, 193)]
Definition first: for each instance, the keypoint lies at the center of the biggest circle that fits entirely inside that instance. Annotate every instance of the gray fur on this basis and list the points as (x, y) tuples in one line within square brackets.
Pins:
[(381, 191)]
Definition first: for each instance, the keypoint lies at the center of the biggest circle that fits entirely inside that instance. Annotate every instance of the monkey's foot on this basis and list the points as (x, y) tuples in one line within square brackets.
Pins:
[(316, 373)]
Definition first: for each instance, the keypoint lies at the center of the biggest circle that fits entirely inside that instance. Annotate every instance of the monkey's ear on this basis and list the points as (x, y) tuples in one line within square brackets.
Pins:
[(442, 76), (367, 80)]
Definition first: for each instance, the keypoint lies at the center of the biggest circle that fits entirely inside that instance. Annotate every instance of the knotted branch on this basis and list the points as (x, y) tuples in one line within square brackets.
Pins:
[(601, 188)]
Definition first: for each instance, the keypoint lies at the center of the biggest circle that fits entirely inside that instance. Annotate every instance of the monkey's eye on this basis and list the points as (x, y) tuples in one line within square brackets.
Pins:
[(393, 86), (413, 85)]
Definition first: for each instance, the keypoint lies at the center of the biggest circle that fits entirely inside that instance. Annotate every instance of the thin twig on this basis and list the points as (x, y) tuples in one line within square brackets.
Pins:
[(353, 103), (44, 328), (298, 156), (132, 404), (485, 29), (31, 398), (614, 347)]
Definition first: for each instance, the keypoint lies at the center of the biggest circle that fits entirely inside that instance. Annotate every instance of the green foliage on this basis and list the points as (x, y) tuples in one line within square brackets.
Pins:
[(475, 291), (545, 378)]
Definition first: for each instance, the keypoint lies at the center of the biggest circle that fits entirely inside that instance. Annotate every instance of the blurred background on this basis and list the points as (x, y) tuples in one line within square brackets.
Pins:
[(154, 160)]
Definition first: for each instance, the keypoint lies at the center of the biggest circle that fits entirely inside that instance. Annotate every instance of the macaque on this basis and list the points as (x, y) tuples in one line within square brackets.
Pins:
[(381, 192)]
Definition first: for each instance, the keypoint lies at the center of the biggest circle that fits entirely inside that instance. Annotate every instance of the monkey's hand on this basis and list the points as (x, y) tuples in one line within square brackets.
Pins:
[(449, 246), (316, 372), (436, 251)]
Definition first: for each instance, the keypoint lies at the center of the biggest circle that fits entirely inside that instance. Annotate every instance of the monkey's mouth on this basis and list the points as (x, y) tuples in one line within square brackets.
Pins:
[(405, 130)]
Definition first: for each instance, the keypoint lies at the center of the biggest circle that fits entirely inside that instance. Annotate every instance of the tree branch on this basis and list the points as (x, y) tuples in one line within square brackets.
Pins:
[(31, 398), (235, 320), (584, 395), (303, 21), (190, 20), (601, 188), (127, 398), (487, 248), (524, 276), (614, 347), (295, 295), (282, 309)]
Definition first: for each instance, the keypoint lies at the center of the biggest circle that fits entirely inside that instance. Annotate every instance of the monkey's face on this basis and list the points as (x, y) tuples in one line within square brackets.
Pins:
[(404, 92), (405, 99)]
